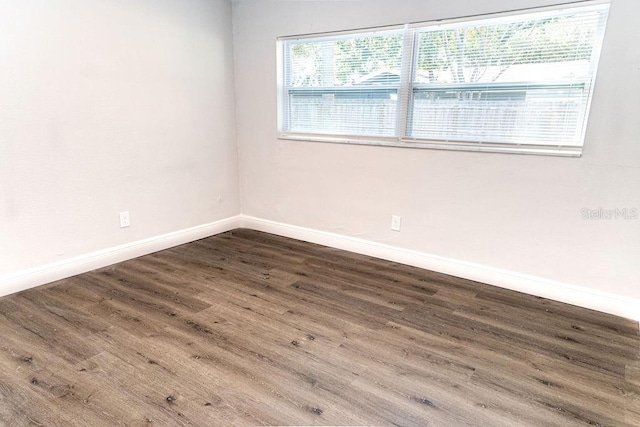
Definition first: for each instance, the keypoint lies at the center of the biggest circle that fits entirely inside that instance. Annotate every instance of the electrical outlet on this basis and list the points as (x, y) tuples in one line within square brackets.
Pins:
[(395, 222), (124, 219)]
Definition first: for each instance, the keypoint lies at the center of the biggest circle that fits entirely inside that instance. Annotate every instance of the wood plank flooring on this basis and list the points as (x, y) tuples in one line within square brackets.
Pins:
[(246, 328)]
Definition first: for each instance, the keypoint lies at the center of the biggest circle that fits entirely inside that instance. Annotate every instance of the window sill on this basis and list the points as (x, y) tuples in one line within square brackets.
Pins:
[(541, 150)]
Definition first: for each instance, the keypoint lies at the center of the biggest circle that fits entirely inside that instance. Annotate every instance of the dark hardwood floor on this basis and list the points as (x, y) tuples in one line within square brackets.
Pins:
[(246, 328)]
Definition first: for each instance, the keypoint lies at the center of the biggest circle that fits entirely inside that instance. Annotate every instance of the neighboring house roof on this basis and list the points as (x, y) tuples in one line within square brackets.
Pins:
[(514, 73), (385, 77), (382, 77)]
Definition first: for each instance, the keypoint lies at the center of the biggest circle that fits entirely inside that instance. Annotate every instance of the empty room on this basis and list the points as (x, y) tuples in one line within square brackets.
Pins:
[(319, 212)]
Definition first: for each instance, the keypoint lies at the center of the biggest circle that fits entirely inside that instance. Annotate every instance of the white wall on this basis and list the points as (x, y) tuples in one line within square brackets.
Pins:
[(106, 106), (518, 213), (112, 105)]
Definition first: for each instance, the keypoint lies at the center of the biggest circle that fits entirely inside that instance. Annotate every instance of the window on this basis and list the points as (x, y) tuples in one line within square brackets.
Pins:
[(514, 82)]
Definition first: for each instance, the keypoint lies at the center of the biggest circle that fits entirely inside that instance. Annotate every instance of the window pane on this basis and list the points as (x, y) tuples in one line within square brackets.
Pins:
[(524, 79), (499, 115), (344, 85)]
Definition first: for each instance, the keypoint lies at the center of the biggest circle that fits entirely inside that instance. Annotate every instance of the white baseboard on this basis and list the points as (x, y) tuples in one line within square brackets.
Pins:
[(576, 295), (25, 279)]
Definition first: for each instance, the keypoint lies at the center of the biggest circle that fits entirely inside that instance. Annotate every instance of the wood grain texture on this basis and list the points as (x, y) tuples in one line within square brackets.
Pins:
[(247, 328)]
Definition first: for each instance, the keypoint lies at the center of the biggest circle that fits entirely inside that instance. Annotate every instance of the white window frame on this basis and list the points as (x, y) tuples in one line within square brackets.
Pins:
[(407, 87)]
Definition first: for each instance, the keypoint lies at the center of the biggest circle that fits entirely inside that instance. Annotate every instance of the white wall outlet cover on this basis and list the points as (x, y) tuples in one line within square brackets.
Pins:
[(124, 219), (396, 222)]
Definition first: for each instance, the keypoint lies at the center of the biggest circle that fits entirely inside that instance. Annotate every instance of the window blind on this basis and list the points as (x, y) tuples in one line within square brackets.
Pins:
[(524, 79), (344, 85), (520, 81)]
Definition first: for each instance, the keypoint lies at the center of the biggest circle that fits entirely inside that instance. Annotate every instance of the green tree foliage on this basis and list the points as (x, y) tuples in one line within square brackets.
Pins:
[(344, 62), (305, 60), (461, 55), (473, 54), (359, 57)]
